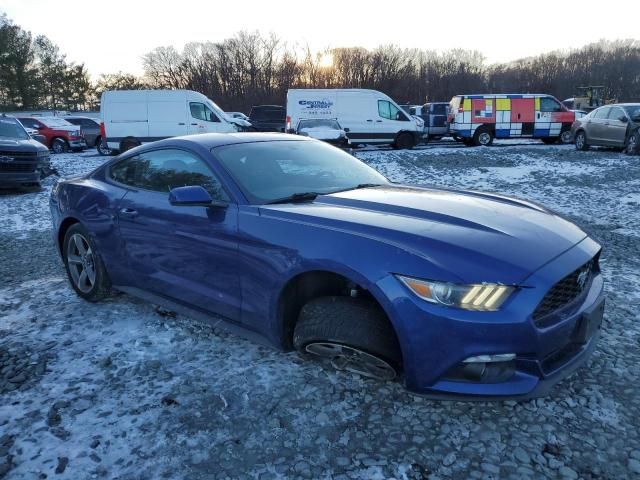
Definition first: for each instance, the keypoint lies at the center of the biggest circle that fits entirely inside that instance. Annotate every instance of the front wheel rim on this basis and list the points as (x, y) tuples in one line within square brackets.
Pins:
[(81, 263), (580, 141), (353, 360), (484, 138), (631, 146)]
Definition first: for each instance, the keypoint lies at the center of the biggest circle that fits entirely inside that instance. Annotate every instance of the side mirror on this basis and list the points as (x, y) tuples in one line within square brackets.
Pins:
[(623, 119), (193, 195), (346, 129)]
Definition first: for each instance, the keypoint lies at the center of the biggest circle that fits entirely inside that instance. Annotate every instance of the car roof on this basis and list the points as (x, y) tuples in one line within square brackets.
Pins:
[(212, 140)]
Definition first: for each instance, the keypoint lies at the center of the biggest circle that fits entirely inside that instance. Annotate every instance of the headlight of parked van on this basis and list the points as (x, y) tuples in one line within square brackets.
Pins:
[(483, 297)]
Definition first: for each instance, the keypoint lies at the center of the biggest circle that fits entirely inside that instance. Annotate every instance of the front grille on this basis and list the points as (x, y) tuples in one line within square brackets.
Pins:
[(14, 154), (558, 358), (18, 167), (564, 292)]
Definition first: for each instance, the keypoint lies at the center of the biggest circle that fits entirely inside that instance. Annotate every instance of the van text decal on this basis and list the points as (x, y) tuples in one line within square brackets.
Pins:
[(324, 103)]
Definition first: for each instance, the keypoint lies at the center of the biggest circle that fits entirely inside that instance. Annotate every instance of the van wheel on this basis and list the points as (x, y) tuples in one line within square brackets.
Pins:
[(128, 143), (581, 141), (404, 141), (483, 137), (565, 136), (59, 145), (353, 334)]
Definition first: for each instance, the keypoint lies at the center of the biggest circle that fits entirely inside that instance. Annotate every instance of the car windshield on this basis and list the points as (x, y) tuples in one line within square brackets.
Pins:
[(634, 112), (318, 123), (269, 171), (11, 128), (55, 122)]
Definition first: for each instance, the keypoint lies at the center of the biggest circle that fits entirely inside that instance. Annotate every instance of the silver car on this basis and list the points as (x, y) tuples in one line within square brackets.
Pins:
[(615, 125)]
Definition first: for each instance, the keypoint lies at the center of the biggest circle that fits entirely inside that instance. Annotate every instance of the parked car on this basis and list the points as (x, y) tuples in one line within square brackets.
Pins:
[(267, 118), (24, 162), (242, 124), (478, 119), (371, 116), (61, 136), (327, 130), (239, 115), (615, 125), (298, 243), (436, 119), (135, 117), (89, 128)]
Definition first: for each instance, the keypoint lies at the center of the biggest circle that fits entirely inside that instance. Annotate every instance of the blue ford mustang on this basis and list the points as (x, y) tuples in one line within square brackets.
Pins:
[(301, 245)]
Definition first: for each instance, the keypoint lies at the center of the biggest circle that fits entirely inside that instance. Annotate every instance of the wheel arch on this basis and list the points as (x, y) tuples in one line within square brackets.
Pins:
[(309, 284), (62, 231)]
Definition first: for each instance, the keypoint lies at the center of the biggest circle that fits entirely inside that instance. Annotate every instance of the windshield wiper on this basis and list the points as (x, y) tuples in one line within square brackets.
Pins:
[(295, 197)]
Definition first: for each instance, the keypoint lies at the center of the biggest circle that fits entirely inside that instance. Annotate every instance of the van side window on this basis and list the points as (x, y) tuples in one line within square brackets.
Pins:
[(162, 170), (389, 111), (202, 112), (549, 105)]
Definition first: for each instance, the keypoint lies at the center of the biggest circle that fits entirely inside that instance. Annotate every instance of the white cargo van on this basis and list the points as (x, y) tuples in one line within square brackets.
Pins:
[(368, 116), (133, 117)]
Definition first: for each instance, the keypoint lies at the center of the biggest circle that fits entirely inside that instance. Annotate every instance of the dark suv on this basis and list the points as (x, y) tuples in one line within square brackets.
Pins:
[(268, 118), (23, 160)]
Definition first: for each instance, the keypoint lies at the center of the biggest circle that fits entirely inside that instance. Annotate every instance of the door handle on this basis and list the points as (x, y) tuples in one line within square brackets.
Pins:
[(378, 121), (194, 124), (129, 212), (181, 123), (369, 120)]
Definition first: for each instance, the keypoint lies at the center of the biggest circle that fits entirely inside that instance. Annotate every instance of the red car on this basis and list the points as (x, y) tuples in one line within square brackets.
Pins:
[(61, 136)]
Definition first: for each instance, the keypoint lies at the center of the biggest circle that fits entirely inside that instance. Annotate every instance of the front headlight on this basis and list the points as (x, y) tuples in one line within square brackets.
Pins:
[(483, 297)]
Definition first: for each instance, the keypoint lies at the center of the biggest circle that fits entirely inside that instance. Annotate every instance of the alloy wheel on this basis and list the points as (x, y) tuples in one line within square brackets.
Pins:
[(632, 144), (81, 263), (580, 141), (353, 360), (565, 137)]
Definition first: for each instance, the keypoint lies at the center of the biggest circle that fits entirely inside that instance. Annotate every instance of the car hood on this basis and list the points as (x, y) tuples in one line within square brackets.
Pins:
[(476, 237), (20, 145)]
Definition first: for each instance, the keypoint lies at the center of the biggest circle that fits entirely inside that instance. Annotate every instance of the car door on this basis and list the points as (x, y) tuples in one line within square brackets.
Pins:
[(203, 119), (185, 253), (390, 121), (615, 129), (595, 127)]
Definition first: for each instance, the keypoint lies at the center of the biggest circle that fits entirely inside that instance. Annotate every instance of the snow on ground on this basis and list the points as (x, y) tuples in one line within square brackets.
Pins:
[(123, 390)]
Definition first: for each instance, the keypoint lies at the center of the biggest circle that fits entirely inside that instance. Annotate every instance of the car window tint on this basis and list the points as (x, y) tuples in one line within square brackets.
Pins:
[(29, 123), (440, 109), (202, 112), (601, 112), (396, 113), (162, 170), (634, 112), (549, 105), (616, 113), (383, 109)]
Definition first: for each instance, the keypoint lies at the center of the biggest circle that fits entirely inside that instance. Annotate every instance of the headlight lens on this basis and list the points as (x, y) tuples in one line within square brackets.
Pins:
[(483, 297)]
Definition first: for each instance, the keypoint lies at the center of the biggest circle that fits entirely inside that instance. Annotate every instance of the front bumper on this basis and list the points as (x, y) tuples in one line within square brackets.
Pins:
[(26, 173), (435, 340), (80, 144)]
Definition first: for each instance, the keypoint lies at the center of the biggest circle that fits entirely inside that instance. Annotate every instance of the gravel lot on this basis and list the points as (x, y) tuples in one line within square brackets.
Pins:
[(123, 390)]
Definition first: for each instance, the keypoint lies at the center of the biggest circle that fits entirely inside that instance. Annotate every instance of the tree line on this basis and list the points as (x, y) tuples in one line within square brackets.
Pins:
[(251, 69)]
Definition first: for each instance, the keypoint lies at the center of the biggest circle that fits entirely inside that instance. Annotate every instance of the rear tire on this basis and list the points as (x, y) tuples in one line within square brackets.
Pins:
[(549, 140), (102, 147), (632, 146), (83, 264), (404, 141), (581, 141), (128, 143), (353, 333), (483, 137), (565, 137)]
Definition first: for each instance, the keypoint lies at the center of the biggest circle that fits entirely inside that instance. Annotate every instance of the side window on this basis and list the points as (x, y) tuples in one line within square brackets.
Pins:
[(616, 113), (383, 109), (127, 172), (601, 112), (162, 170), (202, 112), (397, 114), (549, 105), (29, 123)]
